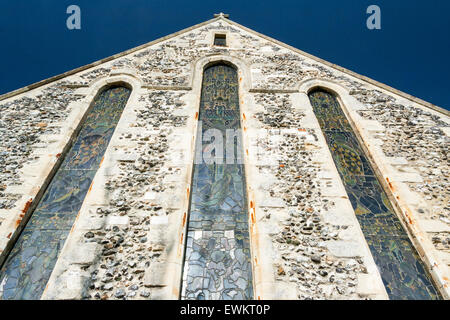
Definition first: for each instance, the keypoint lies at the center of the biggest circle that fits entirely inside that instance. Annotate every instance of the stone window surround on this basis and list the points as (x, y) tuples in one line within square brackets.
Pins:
[(396, 190), (212, 36), (244, 85), (263, 268), (10, 229), (175, 261), (220, 35)]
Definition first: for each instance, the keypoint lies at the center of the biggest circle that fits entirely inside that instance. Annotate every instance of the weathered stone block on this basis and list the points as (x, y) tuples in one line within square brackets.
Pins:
[(344, 249), (155, 275)]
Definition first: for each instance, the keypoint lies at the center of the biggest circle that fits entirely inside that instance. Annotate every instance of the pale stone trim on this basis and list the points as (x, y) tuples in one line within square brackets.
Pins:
[(398, 193), (211, 38), (263, 90), (261, 273), (203, 62), (168, 88), (370, 285), (67, 279), (38, 175)]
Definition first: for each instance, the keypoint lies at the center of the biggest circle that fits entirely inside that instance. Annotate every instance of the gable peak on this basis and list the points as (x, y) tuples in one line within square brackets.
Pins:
[(222, 15)]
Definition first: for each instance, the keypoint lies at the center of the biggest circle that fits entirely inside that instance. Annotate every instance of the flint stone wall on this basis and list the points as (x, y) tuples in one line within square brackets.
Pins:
[(128, 240)]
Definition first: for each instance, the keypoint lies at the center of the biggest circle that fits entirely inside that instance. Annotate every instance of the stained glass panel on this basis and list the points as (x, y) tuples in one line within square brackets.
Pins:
[(401, 269), (217, 261)]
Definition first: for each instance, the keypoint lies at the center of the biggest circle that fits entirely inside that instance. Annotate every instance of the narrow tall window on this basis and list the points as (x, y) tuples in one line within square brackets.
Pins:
[(220, 40), (29, 265), (403, 273), (217, 259)]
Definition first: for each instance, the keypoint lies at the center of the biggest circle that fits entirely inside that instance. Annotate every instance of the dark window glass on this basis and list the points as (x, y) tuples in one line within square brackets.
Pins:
[(217, 261), (30, 263), (403, 272)]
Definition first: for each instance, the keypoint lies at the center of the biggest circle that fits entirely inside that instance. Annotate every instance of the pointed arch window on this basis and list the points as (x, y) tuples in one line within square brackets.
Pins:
[(217, 258), (25, 272), (402, 271)]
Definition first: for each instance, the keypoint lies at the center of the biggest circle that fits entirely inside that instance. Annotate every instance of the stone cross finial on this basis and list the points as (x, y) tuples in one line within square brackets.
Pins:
[(223, 15)]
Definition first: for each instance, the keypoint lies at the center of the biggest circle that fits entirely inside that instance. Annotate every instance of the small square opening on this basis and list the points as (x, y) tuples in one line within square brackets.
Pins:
[(220, 40)]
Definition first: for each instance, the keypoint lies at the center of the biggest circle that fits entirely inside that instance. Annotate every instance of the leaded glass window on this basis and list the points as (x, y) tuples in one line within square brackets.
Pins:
[(29, 265), (402, 271), (217, 259)]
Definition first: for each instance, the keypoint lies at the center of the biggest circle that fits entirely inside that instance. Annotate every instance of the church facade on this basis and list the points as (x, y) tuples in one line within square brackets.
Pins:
[(220, 164)]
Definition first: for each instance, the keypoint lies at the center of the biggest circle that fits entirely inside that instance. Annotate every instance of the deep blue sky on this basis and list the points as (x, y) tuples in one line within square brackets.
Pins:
[(411, 52)]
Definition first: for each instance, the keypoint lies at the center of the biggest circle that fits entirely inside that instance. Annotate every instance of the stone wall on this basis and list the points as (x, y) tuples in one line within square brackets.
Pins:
[(318, 251), (416, 139), (34, 130), (128, 241)]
